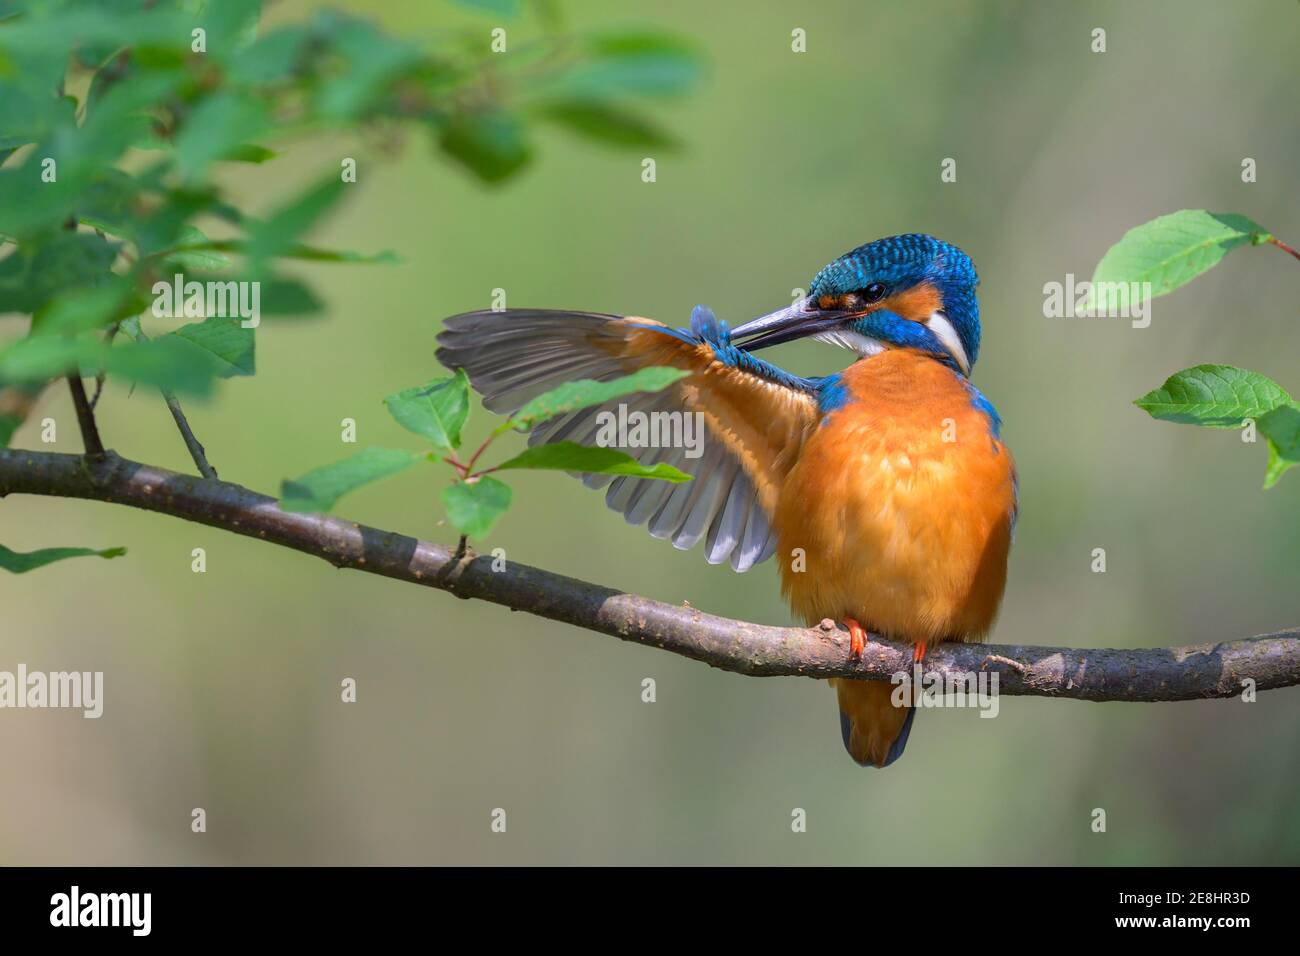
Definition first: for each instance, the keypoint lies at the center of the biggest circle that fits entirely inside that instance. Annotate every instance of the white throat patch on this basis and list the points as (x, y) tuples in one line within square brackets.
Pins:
[(864, 345), (947, 335)]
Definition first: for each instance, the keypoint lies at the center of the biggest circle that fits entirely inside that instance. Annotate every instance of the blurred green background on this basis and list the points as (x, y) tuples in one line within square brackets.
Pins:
[(222, 689)]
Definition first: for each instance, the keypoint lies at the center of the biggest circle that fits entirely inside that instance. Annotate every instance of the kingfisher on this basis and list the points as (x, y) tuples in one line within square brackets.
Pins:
[(885, 488)]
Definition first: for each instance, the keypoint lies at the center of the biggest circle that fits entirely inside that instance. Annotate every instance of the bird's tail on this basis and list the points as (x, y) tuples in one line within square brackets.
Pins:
[(875, 731)]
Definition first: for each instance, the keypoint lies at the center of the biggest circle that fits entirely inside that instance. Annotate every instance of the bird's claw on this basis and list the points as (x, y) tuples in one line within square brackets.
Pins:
[(857, 637)]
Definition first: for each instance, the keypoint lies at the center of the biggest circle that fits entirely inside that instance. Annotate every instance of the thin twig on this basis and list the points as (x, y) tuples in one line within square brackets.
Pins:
[(197, 451), (469, 465), (100, 376), (1283, 246), (102, 373), (90, 439), (1222, 669)]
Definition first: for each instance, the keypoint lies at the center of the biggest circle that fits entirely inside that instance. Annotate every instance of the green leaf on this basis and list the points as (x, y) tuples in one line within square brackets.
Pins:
[(107, 201), (28, 111), (473, 507), (231, 24), (272, 58), (224, 342), (374, 60), (49, 267), (20, 563), (168, 363), (638, 63), (218, 126), (288, 297), (250, 153), (275, 296), (608, 124), (86, 308), (81, 152), (195, 252), (1281, 427), (1217, 396), (321, 488), (570, 456), (584, 393), (165, 363), (1174, 249), (501, 8), (40, 357), (436, 411), (166, 225), (280, 231), (489, 144)]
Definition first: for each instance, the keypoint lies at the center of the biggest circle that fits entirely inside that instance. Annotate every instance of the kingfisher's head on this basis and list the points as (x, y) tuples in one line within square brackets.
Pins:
[(910, 291)]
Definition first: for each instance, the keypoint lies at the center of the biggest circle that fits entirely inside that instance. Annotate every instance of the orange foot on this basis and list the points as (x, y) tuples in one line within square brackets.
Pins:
[(918, 653), (857, 637)]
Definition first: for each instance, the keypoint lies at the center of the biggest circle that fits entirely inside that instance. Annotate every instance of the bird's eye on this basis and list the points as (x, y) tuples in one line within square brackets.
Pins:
[(874, 292)]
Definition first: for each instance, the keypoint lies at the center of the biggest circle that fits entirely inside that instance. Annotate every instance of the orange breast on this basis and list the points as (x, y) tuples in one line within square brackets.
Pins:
[(898, 511)]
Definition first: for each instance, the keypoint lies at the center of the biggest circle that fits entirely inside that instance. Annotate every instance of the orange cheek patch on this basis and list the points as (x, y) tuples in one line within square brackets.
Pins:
[(917, 303)]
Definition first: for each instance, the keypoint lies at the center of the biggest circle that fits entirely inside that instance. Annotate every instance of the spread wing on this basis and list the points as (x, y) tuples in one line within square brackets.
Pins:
[(755, 416)]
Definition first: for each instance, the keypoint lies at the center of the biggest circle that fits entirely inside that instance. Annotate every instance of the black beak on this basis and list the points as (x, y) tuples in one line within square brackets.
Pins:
[(798, 321)]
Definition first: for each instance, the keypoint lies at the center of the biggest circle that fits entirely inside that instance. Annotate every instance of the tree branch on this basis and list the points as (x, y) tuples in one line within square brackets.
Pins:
[(1147, 674)]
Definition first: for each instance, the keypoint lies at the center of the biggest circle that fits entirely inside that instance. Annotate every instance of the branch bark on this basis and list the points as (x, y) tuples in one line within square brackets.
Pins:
[(1147, 674)]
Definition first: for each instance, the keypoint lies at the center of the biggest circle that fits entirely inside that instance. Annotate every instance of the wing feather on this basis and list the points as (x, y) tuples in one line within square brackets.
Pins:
[(756, 416)]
